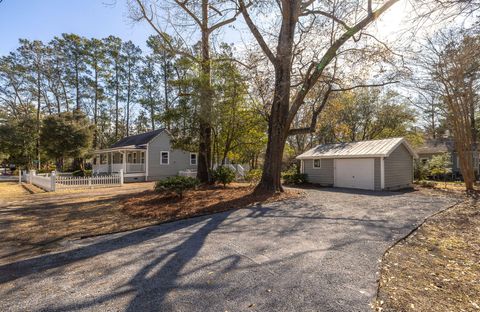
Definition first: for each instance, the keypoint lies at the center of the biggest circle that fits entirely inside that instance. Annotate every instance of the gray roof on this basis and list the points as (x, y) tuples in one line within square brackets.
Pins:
[(435, 147), (138, 139), (373, 148)]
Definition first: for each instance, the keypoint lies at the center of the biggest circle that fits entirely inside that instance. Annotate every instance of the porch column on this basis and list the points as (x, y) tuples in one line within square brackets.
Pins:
[(124, 161)]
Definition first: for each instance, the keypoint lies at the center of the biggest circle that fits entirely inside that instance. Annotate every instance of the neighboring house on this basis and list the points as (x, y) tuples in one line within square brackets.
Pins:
[(431, 148), (371, 165), (144, 157)]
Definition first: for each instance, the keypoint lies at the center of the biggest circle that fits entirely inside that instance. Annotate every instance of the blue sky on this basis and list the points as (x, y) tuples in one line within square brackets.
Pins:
[(44, 19)]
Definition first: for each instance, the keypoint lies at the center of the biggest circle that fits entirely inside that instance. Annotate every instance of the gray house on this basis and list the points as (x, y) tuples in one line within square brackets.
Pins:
[(431, 148), (371, 165), (144, 157)]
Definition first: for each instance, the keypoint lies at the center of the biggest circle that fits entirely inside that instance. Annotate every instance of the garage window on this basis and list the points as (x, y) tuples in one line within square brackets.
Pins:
[(317, 163)]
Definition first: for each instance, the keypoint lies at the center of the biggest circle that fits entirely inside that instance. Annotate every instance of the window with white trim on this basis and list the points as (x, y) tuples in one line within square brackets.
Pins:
[(164, 158), (142, 157), (317, 163), (193, 159)]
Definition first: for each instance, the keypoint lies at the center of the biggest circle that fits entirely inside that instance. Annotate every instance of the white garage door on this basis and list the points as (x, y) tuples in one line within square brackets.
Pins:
[(355, 173)]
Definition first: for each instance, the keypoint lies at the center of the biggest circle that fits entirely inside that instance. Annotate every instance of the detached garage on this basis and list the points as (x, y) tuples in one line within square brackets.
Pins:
[(371, 165)]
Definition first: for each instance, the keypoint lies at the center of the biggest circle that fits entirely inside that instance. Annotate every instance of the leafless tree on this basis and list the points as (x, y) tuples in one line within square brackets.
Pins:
[(452, 59), (294, 26)]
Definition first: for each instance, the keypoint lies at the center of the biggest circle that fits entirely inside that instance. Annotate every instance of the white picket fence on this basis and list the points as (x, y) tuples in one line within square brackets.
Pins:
[(42, 182), (52, 182)]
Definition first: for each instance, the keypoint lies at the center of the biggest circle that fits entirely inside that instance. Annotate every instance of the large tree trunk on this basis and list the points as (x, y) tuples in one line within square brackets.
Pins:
[(205, 131), (278, 124)]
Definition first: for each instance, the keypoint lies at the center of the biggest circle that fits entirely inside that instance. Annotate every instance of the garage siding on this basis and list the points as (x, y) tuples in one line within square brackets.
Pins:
[(323, 175), (398, 169), (377, 174)]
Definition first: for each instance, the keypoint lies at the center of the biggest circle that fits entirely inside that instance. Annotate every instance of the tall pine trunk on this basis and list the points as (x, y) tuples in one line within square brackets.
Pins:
[(205, 127), (39, 98), (95, 108)]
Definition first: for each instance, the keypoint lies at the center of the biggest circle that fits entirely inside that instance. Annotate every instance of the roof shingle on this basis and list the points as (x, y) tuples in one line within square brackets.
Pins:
[(138, 139)]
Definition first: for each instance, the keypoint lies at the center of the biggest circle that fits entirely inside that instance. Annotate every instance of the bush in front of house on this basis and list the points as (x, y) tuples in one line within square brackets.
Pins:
[(177, 185), (223, 175), (421, 170), (425, 183), (253, 176), (293, 176)]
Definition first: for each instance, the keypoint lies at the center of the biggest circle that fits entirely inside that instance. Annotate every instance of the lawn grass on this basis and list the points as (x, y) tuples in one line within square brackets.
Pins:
[(437, 268), (11, 190)]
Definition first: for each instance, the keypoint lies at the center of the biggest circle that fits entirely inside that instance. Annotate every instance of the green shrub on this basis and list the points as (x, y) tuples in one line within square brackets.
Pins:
[(223, 175), (176, 185), (253, 176), (427, 184), (421, 170), (293, 176), (82, 173), (48, 169)]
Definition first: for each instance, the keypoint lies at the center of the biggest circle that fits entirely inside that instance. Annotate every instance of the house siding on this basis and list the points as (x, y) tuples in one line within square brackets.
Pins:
[(398, 169), (178, 159), (323, 176)]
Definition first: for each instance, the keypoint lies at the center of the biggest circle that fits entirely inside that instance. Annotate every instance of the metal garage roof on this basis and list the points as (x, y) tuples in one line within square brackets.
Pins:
[(373, 148)]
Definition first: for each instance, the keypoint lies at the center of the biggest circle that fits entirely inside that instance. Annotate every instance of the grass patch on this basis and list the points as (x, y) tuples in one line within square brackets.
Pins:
[(11, 190), (437, 268)]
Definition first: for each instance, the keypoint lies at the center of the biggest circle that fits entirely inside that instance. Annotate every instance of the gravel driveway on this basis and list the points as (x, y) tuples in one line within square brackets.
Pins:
[(320, 253)]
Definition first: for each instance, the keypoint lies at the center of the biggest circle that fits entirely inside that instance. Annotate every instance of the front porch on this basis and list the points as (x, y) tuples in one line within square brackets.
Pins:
[(131, 160)]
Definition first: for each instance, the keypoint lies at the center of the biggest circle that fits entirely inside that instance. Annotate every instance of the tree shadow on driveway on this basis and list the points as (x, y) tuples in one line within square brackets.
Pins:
[(155, 276)]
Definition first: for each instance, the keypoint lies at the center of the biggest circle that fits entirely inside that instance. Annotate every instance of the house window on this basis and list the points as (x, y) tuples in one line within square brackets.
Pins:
[(142, 157), (135, 158), (129, 158), (193, 159), (164, 158), (317, 163)]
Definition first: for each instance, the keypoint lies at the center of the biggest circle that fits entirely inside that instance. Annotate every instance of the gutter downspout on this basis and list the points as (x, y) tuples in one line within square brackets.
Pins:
[(382, 173), (146, 163)]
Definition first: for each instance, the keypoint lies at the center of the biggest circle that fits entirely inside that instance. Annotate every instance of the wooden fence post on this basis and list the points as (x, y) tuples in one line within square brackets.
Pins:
[(52, 181), (32, 173), (19, 176), (90, 182), (121, 177)]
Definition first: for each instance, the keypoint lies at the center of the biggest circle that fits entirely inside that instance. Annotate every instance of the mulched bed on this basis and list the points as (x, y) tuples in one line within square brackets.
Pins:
[(437, 268), (204, 200)]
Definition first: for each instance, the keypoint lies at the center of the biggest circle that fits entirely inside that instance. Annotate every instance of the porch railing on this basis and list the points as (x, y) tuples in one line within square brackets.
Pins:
[(130, 168)]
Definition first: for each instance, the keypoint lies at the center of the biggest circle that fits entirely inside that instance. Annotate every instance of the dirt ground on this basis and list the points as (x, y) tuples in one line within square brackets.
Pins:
[(203, 200), (437, 268), (32, 224)]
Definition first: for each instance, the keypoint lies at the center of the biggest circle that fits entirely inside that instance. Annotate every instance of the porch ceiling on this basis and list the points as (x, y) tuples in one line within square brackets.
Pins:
[(120, 149)]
